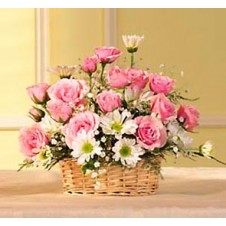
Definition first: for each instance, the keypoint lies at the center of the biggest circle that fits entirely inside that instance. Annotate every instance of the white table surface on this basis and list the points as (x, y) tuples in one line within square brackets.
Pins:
[(185, 192)]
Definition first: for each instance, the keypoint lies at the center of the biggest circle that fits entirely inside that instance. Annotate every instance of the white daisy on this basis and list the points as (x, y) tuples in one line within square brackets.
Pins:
[(127, 151), (64, 70), (85, 147), (114, 123), (179, 135), (132, 42)]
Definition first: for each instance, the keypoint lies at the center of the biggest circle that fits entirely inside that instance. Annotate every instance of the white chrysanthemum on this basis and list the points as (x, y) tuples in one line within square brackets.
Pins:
[(132, 42), (114, 123), (85, 147), (206, 149), (179, 135), (127, 151)]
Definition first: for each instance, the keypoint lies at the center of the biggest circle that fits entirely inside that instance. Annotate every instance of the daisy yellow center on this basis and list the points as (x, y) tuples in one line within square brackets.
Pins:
[(87, 148), (125, 151), (116, 126), (42, 155)]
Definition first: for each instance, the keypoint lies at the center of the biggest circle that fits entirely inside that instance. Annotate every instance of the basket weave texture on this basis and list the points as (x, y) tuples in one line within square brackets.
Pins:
[(116, 181)]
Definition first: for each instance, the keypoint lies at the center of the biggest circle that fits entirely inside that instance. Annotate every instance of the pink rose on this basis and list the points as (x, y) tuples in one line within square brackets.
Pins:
[(107, 55), (161, 84), (162, 106), (69, 91), (109, 100), (188, 116), (89, 65), (137, 78), (32, 140), (84, 121), (36, 114), (59, 110), (117, 78), (38, 93), (151, 132)]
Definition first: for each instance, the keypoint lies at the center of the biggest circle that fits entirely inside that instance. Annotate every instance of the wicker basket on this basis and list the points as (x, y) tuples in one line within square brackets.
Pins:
[(116, 181)]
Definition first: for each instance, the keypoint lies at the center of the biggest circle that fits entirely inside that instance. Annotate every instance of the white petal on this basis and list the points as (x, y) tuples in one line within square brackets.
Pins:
[(81, 159), (116, 116), (75, 153), (125, 115), (129, 127)]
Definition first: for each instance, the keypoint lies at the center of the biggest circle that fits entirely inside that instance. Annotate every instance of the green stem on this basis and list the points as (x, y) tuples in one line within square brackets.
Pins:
[(210, 156), (217, 160), (132, 60), (101, 75), (90, 81)]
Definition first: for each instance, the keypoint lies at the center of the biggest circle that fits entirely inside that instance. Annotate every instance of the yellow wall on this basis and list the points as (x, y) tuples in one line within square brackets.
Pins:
[(191, 39), (17, 59)]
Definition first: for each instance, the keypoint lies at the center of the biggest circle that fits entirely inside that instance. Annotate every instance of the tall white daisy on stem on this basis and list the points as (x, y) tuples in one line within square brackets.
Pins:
[(85, 147), (114, 123), (132, 42), (127, 151)]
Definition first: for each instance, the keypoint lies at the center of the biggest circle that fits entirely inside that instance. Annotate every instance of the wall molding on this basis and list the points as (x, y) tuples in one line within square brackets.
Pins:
[(14, 122), (208, 121), (41, 64), (110, 27), (41, 31)]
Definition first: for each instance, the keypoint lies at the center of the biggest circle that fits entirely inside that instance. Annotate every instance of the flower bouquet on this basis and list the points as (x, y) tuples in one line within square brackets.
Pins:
[(111, 130)]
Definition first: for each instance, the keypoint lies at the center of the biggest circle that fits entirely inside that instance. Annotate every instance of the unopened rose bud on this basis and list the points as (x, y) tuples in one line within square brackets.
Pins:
[(36, 114), (89, 65), (38, 93)]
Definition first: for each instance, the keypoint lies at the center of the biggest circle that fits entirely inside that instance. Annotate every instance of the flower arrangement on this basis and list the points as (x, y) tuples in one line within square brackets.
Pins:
[(114, 117)]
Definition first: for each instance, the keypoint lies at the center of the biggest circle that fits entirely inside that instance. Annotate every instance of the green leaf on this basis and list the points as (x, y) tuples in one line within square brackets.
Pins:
[(88, 166)]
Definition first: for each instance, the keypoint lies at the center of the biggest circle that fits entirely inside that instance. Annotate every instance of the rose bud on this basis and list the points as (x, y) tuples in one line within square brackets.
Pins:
[(89, 65), (107, 55), (38, 93), (36, 114)]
